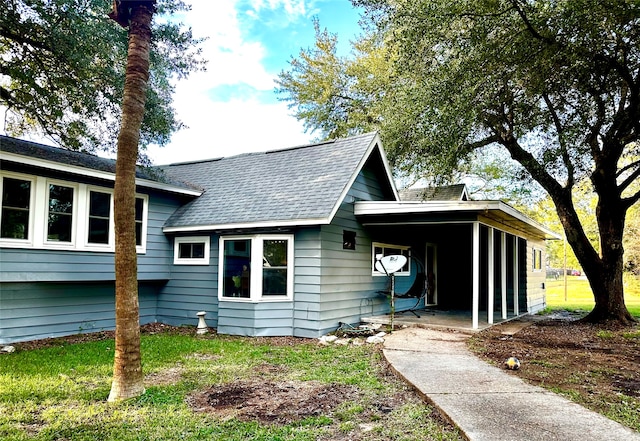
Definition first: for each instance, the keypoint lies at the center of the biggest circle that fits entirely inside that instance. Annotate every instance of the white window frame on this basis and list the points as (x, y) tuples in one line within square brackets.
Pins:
[(74, 214), (533, 263), (39, 216), (110, 245), (401, 272), (177, 260), (257, 249), (19, 243)]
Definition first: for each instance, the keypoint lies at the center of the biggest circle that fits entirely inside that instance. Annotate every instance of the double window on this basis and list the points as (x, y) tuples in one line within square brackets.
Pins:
[(256, 268), (380, 250), (43, 213)]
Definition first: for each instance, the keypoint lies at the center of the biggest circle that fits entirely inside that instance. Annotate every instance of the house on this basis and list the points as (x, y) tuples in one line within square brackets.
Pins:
[(282, 242)]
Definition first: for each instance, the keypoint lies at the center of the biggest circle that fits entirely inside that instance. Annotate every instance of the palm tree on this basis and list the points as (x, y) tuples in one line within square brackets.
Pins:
[(127, 366)]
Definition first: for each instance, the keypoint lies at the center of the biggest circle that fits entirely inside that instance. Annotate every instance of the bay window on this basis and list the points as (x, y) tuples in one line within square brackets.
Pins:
[(256, 268)]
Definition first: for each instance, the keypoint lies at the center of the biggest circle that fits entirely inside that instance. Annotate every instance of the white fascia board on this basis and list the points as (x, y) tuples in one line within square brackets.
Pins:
[(83, 171), (247, 225), (384, 207), (375, 142)]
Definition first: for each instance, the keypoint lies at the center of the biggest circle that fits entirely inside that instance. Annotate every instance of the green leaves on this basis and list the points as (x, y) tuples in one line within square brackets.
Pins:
[(62, 72)]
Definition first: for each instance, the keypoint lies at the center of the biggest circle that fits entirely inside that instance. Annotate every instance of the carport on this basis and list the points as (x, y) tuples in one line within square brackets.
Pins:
[(486, 256)]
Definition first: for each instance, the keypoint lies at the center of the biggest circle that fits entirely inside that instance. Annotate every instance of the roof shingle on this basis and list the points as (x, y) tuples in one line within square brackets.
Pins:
[(281, 186)]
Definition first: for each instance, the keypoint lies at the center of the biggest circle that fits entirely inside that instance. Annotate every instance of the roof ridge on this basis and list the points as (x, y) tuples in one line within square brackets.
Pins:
[(266, 152)]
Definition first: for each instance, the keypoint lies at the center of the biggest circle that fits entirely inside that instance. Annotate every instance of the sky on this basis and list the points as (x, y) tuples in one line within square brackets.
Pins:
[(232, 108)]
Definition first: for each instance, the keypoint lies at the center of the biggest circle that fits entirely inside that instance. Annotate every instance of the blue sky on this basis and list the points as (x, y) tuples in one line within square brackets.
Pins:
[(232, 107)]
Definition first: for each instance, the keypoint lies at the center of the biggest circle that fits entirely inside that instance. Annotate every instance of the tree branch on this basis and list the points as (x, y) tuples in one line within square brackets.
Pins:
[(632, 177), (24, 39), (560, 129), (529, 26), (628, 202)]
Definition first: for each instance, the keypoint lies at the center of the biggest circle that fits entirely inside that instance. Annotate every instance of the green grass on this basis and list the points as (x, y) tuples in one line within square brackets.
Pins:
[(60, 392), (580, 296)]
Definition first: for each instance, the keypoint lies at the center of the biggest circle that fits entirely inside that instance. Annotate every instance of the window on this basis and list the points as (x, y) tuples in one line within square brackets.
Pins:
[(139, 220), (16, 208), (348, 240), (191, 250), (38, 212), (256, 268), (60, 216), (537, 259), (99, 217), (381, 250)]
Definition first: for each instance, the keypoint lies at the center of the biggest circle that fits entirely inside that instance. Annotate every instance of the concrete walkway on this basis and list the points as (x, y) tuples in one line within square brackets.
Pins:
[(485, 402)]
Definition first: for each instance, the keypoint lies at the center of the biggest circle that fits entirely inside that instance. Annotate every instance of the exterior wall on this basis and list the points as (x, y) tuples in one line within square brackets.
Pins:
[(190, 289), (348, 291), (277, 318), (55, 292), (35, 310), (536, 279)]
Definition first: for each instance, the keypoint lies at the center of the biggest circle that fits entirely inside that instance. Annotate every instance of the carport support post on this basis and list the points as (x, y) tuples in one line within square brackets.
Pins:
[(503, 272), (491, 275), (476, 275)]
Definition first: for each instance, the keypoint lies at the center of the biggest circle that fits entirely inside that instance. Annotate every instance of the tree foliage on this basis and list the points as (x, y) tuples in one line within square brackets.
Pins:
[(554, 85), (63, 66)]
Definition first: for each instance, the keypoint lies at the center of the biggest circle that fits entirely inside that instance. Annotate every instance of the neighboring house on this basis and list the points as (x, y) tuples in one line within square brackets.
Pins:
[(457, 192), (273, 243)]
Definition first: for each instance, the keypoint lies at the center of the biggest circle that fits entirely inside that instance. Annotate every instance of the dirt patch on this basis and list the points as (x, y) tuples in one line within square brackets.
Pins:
[(285, 402), (597, 366), (269, 402), (162, 378)]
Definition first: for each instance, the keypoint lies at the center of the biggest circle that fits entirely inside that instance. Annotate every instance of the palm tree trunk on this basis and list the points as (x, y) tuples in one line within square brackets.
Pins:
[(127, 366)]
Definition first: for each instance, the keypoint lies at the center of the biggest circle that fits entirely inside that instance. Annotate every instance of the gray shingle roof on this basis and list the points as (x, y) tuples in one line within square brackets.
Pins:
[(80, 159), (281, 187), (455, 192)]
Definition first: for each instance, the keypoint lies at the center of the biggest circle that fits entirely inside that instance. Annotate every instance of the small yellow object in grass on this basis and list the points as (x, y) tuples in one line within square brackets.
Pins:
[(512, 363)]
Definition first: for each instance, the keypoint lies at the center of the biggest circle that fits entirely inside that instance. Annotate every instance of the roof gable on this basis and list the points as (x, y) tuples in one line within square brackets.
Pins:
[(296, 186)]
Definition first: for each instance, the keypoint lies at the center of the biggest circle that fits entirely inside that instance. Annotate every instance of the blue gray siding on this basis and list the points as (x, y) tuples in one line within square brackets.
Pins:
[(190, 289), (50, 293), (41, 310)]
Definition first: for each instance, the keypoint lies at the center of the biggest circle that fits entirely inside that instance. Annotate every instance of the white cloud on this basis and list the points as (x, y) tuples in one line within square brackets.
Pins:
[(231, 128), (218, 128)]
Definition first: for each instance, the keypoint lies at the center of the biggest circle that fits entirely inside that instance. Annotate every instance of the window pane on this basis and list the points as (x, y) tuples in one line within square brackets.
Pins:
[(139, 207), (191, 250), (98, 230), (274, 281), (16, 193), (236, 268), (99, 211), (99, 204), (275, 253), (197, 250), (274, 271), (60, 213), (184, 250), (16, 197)]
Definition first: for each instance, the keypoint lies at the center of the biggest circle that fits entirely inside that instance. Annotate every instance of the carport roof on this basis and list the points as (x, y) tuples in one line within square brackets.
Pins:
[(495, 213)]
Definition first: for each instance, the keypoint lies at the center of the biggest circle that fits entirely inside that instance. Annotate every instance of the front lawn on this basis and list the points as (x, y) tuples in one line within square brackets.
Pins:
[(580, 297), (213, 388)]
